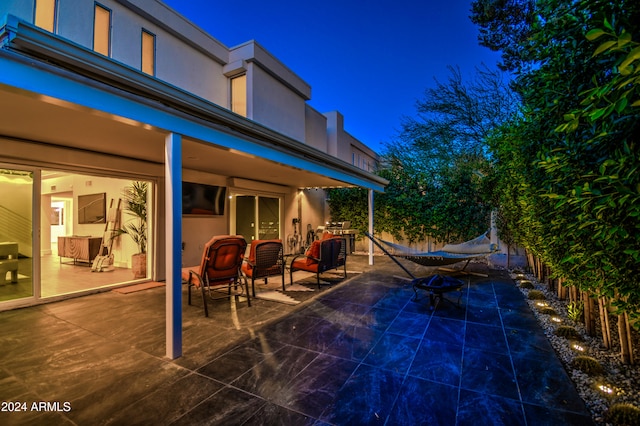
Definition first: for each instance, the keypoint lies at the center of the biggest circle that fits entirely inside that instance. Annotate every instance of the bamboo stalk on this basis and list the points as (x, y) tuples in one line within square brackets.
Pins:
[(589, 314), (629, 340), (559, 289), (604, 322), (624, 339), (562, 290)]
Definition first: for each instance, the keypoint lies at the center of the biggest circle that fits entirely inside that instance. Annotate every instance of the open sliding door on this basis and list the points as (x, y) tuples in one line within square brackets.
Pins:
[(16, 235)]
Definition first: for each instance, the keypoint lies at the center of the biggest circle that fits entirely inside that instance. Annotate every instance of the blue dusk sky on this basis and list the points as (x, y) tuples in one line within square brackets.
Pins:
[(369, 60)]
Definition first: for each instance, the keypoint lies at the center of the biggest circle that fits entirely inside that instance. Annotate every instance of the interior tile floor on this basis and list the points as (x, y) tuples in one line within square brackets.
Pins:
[(60, 277), (361, 352)]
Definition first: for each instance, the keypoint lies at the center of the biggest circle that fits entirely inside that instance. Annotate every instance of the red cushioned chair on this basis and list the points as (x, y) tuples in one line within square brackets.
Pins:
[(219, 269), (323, 255), (266, 259)]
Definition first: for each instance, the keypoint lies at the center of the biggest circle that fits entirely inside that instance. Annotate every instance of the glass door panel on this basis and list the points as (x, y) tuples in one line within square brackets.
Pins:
[(246, 217), (268, 218), (16, 234), (257, 217)]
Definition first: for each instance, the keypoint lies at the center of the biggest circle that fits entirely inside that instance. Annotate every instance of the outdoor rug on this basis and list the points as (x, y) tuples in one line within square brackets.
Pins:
[(274, 293)]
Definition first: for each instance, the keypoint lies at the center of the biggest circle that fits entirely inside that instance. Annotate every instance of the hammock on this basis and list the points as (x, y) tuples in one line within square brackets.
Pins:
[(448, 255), (437, 285)]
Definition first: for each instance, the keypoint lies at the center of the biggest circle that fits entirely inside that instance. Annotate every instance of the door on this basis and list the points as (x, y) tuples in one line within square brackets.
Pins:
[(268, 218), (16, 235), (257, 217), (246, 217)]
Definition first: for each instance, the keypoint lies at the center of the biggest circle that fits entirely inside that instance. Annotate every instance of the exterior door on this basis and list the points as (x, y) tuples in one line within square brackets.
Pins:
[(268, 218), (257, 217)]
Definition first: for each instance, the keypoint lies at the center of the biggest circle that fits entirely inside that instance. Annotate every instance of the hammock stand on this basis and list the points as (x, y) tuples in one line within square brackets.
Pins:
[(479, 247), (436, 285)]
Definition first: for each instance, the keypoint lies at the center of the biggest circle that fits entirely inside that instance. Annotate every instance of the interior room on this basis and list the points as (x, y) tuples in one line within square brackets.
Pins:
[(82, 217)]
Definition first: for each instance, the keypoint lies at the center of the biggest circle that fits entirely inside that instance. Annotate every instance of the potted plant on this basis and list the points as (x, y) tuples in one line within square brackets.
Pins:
[(135, 205)]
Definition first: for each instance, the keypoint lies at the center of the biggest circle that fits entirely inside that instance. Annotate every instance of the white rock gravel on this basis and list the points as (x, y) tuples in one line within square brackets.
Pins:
[(621, 383)]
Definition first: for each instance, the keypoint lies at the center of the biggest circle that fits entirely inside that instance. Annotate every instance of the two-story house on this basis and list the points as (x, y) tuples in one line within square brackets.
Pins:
[(98, 95)]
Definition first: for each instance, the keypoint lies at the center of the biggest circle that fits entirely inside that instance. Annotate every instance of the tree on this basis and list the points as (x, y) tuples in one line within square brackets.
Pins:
[(572, 157), (505, 26), (438, 168)]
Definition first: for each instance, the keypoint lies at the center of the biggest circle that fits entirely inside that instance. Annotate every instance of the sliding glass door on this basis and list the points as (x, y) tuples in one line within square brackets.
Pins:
[(83, 246), (268, 218), (64, 233), (257, 217), (16, 235)]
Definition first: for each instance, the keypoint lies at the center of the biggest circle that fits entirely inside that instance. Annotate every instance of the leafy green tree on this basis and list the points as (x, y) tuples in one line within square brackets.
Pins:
[(440, 164), (349, 204), (438, 168), (571, 158), (505, 26)]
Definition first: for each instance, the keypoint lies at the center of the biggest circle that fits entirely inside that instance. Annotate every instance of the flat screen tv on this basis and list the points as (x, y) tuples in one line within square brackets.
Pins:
[(92, 208), (202, 199)]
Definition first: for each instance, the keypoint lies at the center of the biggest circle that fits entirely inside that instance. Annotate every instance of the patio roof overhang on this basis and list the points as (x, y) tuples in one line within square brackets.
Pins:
[(57, 93)]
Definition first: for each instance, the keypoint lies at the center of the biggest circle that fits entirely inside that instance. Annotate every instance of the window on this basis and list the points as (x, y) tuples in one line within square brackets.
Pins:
[(45, 16), (148, 65), (102, 30), (239, 95)]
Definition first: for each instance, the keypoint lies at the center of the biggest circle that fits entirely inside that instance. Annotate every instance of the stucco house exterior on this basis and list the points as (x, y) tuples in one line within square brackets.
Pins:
[(96, 95)]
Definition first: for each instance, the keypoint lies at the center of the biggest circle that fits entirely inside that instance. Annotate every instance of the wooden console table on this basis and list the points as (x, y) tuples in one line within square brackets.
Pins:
[(78, 248)]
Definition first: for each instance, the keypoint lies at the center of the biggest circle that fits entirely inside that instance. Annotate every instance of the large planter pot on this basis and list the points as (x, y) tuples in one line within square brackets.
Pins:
[(139, 265)]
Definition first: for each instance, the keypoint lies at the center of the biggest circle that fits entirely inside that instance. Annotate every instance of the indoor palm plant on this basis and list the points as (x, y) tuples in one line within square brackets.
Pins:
[(135, 205)]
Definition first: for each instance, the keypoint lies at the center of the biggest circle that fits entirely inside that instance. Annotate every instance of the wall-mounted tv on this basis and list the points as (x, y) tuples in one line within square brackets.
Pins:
[(92, 208), (201, 199)]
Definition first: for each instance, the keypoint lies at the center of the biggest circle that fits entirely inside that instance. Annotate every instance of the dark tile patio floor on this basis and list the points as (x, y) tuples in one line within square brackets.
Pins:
[(361, 352)]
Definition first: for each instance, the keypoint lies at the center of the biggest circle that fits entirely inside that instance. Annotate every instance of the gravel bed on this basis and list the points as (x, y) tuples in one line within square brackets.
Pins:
[(618, 382)]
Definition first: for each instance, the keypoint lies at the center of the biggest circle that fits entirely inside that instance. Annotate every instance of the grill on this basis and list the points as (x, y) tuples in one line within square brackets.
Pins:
[(344, 229)]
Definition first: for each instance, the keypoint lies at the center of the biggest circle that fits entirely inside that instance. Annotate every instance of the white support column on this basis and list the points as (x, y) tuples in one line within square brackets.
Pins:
[(173, 241), (370, 226)]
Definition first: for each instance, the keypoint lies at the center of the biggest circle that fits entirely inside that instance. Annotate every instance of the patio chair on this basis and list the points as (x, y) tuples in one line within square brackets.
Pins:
[(266, 259), (219, 269), (323, 255)]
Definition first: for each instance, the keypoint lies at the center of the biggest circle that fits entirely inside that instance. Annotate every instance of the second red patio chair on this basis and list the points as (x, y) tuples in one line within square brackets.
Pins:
[(265, 259)]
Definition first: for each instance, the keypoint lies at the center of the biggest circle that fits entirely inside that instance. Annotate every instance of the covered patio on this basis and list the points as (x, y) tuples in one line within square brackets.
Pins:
[(357, 352), (127, 125)]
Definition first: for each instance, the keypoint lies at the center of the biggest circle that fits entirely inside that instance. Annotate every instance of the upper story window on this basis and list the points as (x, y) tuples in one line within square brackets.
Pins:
[(239, 95), (102, 30), (45, 16), (148, 65), (362, 161)]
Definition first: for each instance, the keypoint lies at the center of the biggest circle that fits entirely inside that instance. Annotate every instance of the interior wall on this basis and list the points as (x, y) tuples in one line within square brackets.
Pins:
[(45, 224), (17, 197), (74, 185)]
